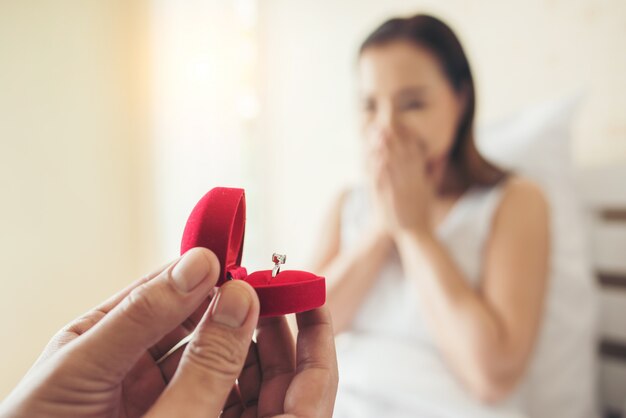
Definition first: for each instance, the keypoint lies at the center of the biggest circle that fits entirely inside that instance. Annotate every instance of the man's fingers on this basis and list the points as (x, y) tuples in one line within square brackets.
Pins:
[(169, 365), (180, 332), (106, 306), (148, 312), (233, 408), (278, 364), (214, 357), (86, 321), (314, 387), (250, 380), (316, 347)]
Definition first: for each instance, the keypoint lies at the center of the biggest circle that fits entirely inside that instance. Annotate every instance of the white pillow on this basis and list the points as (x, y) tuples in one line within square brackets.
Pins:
[(536, 144)]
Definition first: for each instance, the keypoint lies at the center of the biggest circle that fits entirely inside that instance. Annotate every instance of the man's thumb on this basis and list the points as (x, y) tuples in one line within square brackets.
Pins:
[(214, 357)]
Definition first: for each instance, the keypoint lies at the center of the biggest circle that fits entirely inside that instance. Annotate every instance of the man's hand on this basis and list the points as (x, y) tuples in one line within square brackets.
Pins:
[(106, 363)]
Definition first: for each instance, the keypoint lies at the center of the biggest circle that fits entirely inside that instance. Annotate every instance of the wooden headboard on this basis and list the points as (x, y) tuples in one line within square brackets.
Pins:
[(604, 194)]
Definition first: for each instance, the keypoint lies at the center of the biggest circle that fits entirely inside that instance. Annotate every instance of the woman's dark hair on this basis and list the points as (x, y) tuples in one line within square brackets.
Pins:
[(437, 37)]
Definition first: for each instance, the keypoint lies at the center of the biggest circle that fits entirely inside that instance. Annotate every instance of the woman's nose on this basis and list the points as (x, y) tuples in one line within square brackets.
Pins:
[(388, 123)]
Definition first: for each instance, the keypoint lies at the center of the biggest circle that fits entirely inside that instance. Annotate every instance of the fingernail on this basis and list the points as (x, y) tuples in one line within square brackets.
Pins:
[(231, 306), (189, 272)]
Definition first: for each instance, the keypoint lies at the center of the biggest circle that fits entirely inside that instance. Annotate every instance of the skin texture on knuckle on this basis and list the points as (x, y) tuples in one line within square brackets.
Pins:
[(218, 355), (82, 324), (69, 333), (144, 305)]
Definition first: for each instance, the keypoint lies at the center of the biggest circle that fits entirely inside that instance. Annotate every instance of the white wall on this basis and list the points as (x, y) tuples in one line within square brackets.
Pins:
[(522, 52), (71, 158), (204, 95)]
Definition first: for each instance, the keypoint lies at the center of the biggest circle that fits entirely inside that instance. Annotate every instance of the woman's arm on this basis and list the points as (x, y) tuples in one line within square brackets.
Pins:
[(350, 274), (487, 335)]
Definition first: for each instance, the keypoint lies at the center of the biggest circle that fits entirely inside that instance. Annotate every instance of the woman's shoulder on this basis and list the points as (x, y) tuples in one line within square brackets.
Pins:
[(521, 188), (522, 198)]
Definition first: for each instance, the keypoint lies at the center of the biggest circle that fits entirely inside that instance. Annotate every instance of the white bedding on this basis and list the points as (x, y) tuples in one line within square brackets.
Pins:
[(427, 391)]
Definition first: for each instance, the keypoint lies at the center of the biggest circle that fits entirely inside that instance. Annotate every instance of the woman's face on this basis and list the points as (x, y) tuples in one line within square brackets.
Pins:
[(405, 93)]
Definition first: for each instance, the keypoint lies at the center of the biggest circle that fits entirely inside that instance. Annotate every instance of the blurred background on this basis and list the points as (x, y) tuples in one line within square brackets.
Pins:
[(117, 116)]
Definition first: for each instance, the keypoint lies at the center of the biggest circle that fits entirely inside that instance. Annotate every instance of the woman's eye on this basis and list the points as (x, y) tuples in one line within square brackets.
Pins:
[(369, 106), (412, 105)]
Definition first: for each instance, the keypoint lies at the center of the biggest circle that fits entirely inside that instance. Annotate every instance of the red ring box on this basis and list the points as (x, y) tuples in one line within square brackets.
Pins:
[(218, 222)]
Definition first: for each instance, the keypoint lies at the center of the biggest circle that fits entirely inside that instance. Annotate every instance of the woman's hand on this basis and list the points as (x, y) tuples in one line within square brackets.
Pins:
[(402, 191), (112, 362)]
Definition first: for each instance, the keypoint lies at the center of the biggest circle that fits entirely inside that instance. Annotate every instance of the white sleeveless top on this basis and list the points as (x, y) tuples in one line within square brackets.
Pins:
[(388, 362)]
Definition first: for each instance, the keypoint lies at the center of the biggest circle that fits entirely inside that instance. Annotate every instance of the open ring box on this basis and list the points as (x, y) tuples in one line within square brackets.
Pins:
[(217, 222)]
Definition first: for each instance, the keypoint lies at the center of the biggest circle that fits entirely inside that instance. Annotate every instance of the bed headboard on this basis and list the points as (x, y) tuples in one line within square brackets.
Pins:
[(604, 194)]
